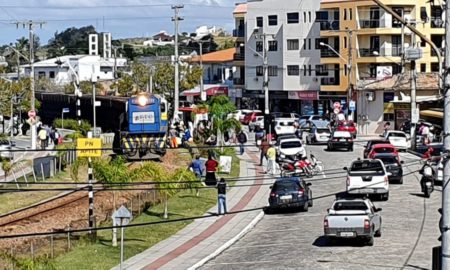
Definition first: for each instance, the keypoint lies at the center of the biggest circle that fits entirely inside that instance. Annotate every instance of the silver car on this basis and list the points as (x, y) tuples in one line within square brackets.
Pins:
[(5, 149)]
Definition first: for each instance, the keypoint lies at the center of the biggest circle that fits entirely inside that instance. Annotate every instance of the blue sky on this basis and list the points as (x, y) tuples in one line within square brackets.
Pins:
[(123, 18)]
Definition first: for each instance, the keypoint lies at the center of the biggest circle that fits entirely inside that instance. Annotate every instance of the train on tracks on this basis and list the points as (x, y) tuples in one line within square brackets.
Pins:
[(140, 122)]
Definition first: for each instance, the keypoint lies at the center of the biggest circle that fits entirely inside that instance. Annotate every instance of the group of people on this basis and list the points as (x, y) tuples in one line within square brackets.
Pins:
[(48, 135), (179, 134)]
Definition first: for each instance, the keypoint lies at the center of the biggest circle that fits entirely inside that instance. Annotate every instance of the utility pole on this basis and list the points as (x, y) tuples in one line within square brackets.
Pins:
[(402, 50), (94, 105), (30, 24), (176, 19), (413, 104), (445, 230), (349, 73)]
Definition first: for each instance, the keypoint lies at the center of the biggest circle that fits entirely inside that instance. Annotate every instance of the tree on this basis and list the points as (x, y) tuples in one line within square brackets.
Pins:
[(191, 78), (141, 75), (85, 87), (219, 108), (163, 79), (125, 85), (74, 40), (166, 50)]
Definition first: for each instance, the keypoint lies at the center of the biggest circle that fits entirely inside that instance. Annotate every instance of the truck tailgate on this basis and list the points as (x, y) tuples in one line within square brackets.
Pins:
[(347, 219)]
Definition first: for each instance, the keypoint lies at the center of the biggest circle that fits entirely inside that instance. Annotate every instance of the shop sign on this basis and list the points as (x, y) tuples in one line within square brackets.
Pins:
[(303, 95)]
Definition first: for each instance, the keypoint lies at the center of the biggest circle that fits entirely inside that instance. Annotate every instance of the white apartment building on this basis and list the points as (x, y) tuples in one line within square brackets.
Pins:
[(293, 51)]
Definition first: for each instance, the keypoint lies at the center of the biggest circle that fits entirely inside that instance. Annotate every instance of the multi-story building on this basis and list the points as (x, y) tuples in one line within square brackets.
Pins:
[(287, 32), (239, 14), (372, 39)]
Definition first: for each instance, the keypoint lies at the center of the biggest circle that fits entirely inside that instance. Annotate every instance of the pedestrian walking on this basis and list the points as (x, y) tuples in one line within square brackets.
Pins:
[(242, 139), (42, 137), (222, 197), (263, 148), (386, 128), (211, 167), (271, 160), (196, 168)]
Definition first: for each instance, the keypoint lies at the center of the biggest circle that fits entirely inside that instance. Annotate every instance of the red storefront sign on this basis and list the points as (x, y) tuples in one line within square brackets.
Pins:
[(304, 95)]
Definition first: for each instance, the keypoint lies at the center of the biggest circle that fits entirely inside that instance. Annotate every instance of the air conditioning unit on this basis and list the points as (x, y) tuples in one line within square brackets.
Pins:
[(370, 96)]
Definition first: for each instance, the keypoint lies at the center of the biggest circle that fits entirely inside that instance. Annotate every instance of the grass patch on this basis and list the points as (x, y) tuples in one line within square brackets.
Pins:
[(101, 255)]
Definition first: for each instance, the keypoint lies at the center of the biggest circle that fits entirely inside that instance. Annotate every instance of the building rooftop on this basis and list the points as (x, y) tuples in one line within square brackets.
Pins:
[(222, 56), (425, 81)]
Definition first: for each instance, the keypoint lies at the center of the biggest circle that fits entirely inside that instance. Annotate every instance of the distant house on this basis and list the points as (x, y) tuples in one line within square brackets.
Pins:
[(217, 66), (58, 69), (160, 39)]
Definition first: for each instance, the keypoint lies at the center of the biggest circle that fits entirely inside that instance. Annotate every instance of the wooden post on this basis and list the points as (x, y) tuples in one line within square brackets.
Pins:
[(42, 172), (34, 173), (52, 247), (15, 179), (59, 165), (24, 174)]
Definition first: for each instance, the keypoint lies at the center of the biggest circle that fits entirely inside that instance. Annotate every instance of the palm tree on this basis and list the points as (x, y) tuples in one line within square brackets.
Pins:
[(219, 108)]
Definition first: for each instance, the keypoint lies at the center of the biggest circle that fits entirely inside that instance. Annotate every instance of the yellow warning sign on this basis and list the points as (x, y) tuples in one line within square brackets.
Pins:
[(89, 147)]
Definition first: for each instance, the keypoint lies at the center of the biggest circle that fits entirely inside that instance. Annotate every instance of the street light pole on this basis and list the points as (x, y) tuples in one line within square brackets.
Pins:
[(176, 19), (349, 73)]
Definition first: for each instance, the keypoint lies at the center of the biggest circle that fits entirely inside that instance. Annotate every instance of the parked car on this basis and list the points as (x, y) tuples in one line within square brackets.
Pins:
[(347, 126), (5, 149), (291, 147), (290, 192), (295, 116), (353, 218), (368, 176), (284, 126), (318, 134), (369, 146), (304, 120), (258, 121), (249, 117), (382, 148), (399, 139), (283, 137), (239, 114), (340, 140), (393, 166), (438, 148)]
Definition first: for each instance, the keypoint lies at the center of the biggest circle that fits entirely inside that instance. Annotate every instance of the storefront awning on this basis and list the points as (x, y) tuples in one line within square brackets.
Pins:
[(430, 113)]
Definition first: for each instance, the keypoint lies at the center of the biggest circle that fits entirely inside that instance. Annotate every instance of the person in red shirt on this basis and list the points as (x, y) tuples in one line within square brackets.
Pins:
[(211, 167)]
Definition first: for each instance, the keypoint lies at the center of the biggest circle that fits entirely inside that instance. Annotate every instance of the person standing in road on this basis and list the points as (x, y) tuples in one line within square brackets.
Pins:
[(222, 196), (263, 147), (271, 160), (211, 167), (242, 139)]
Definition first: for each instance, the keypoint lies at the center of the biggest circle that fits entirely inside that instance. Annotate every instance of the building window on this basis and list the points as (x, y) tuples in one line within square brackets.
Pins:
[(292, 17), (345, 42), (350, 15), (345, 14), (321, 70), (304, 17), (304, 70), (51, 74), (259, 21), (317, 43), (423, 67), (106, 69), (273, 46), (396, 69), (273, 20), (259, 46), (309, 70), (309, 16), (423, 43), (345, 69), (41, 74), (293, 70), (259, 71), (273, 71), (434, 67), (309, 44), (304, 44), (292, 44)]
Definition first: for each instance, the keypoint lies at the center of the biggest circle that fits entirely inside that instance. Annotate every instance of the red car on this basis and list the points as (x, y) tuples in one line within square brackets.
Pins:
[(382, 148), (347, 126), (250, 117)]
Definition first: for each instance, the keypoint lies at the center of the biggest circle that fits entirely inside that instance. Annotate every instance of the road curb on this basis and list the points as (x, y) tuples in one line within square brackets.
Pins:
[(229, 242)]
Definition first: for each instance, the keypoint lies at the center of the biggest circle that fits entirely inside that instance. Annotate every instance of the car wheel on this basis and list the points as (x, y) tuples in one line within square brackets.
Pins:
[(305, 207), (310, 201), (385, 197), (378, 233), (328, 148), (370, 241), (400, 181)]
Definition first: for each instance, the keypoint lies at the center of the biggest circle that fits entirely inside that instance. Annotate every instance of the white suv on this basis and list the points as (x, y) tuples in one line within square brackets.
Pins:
[(284, 126), (368, 176), (291, 147)]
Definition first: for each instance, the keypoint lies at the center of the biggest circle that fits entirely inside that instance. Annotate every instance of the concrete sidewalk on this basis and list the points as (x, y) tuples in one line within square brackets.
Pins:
[(205, 238)]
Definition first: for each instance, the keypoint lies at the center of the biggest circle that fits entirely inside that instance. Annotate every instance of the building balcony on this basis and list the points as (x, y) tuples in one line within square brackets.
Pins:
[(328, 53), (329, 81), (329, 25), (239, 32), (369, 24), (239, 57), (365, 52), (239, 81)]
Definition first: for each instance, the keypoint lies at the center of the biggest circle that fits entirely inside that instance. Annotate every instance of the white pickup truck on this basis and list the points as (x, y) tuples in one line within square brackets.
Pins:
[(353, 218)]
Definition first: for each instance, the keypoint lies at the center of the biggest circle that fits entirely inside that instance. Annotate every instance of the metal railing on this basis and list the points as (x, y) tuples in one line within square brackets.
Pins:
[(328, 53), (329, 81), (369, 23), (329, 25), (366, 52)]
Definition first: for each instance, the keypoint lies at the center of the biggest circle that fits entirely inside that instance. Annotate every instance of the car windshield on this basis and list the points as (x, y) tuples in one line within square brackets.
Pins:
[(305, 117), (291, 144), (285, 185), (366, 167), (384, 150), (341, 134), (339, 206), (286, 123), (400, 135), (388, 160), (323, 130)]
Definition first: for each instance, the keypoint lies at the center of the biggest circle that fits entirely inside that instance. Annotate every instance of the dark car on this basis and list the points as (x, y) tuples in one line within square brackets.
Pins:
[(393, 165), (370, 144), (340, 140), (438, 148), (289, 192)]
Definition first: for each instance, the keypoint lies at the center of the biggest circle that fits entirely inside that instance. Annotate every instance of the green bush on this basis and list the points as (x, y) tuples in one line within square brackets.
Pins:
[(73, 125)]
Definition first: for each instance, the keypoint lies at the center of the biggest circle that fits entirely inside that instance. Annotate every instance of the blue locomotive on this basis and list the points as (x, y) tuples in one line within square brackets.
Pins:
[(143, 127)]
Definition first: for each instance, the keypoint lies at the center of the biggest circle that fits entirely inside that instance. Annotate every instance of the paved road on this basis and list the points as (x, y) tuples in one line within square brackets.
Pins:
[(294, 240)]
